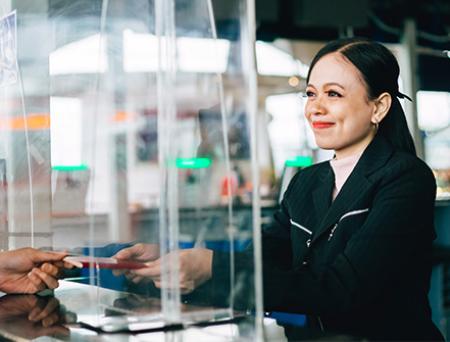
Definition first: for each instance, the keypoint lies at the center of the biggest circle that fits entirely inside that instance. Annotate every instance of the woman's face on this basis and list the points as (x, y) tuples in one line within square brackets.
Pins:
[(338, 108)]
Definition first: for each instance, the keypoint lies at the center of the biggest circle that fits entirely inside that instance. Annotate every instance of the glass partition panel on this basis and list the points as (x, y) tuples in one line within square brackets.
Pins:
[(128, 141), (24, 124)]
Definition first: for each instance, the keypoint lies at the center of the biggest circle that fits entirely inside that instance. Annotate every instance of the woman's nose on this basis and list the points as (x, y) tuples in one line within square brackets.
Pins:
[(316, 106)]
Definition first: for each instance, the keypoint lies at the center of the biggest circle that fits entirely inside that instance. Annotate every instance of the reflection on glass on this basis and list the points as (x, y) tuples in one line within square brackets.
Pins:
[(129, 127), (30, 317)]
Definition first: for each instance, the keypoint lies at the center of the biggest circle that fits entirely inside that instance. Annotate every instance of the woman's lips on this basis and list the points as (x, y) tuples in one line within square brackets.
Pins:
[(320, 124)]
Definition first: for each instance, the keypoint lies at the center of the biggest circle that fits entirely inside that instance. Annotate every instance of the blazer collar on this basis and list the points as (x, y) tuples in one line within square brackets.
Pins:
[(373, 158)]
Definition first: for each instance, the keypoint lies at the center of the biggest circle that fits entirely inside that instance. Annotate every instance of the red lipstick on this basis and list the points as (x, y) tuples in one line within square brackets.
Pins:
[(322, 124)]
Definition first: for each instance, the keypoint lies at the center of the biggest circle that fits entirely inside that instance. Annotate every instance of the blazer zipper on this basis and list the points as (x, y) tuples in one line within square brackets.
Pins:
[(308, 242), (332, 231), (354, 212), (301, 227), (351, 213)]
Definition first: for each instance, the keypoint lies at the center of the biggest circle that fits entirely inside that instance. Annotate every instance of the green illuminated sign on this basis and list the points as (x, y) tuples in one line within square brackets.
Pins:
[(300, 161), (193, 163), (69, 168)]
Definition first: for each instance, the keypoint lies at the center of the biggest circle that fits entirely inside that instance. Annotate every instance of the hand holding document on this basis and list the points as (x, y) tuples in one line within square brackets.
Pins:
[(29, 270)]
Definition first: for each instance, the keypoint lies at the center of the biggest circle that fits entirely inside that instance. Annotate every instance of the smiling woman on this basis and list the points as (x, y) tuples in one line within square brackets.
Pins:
[(367, 215), (351, 244), (339, 109), (340, 114), (359, 80)]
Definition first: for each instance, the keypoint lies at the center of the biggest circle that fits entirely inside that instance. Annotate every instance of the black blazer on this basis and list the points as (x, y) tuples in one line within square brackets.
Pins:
[(361, 264)]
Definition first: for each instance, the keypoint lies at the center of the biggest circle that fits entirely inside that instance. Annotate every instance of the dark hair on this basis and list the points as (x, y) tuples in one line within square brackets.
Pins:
[(380, 71)]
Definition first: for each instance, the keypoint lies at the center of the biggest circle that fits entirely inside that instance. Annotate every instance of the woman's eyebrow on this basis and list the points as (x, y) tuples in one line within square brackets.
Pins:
[(334, 84), (327, 85)]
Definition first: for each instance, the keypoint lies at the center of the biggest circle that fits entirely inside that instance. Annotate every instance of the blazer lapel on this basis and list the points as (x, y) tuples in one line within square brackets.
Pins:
[(355, 186), (374, 157), (322, 195)]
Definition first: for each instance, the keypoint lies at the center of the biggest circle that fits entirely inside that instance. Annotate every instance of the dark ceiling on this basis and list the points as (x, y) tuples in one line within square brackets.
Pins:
[(382, 20)]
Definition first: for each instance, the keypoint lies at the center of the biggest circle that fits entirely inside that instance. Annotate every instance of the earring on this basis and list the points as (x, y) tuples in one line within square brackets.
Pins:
[(376, 124)]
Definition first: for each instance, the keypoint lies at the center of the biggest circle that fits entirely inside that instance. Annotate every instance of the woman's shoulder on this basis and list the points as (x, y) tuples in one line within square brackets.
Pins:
[(408, 161), (410, 168)]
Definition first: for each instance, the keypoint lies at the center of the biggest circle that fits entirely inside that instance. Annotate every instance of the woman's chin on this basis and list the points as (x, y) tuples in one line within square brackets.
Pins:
[(325, 145)]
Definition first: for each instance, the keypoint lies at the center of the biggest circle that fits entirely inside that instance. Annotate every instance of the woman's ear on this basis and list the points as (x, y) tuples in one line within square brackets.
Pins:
[(382, 106)]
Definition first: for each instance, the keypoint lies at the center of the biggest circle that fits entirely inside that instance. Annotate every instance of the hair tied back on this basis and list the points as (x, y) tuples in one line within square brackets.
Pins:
[(403, 96)]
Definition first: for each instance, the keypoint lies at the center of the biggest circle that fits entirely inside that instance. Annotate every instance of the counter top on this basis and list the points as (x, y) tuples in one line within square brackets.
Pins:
[(73, 309)]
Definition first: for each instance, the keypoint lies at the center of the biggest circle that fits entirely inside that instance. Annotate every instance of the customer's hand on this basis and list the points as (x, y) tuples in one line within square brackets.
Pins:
[(28, 270), (195, 268), (30, 316)]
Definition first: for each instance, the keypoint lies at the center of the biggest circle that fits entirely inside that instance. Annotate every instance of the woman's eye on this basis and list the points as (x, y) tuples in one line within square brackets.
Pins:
[(332, 93), (309, 94)]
